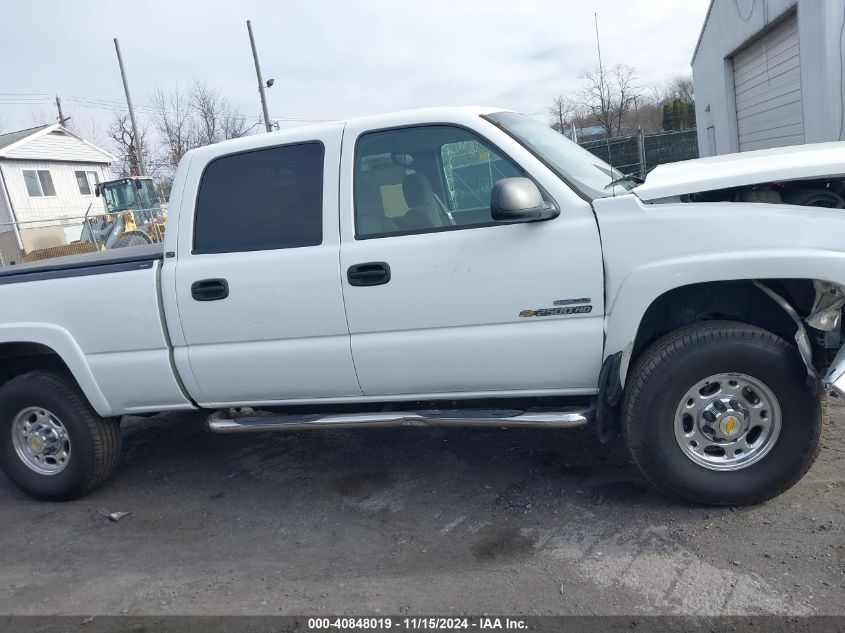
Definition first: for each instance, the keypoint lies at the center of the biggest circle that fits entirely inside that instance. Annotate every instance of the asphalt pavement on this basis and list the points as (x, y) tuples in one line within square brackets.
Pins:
[(413, 521)]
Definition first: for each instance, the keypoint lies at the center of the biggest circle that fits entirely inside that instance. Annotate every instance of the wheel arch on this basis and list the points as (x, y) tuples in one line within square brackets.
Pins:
[(773, 304), (736, 300), (791, 272), (26, 347)]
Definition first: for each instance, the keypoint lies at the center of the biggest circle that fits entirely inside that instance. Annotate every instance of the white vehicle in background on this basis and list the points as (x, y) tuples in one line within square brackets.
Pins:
[(458, 266)]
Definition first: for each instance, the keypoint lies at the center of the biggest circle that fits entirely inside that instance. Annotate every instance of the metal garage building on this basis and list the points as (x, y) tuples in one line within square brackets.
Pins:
[(769, 73)]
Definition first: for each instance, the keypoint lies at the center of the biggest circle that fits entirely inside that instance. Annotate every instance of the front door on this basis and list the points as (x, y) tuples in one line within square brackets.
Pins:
[(442, 300), (257, 278)]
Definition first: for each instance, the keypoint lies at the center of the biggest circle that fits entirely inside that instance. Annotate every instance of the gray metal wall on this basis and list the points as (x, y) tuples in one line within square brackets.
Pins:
[(733, 25)]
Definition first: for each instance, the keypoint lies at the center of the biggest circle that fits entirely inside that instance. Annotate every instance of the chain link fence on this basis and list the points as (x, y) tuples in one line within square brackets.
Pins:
[(23, 242), (640, 153)]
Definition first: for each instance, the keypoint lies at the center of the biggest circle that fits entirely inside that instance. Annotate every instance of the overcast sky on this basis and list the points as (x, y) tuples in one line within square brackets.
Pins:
[(330, 59)]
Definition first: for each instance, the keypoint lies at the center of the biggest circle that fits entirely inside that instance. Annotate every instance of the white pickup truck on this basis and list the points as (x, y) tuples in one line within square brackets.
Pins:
[(461, 266)]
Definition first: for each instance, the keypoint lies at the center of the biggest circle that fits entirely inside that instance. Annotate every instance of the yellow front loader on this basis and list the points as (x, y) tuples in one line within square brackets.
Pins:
[(134, 215)]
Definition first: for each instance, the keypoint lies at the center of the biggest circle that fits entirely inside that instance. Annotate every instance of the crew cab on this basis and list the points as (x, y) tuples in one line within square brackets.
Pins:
[(458, 266)]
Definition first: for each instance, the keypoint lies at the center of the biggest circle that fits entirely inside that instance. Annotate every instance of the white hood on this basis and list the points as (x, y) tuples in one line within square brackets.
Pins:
[(798, 162)]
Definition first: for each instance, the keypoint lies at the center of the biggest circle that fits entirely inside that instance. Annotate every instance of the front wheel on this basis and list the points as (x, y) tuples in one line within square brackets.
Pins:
[(132, 239), (53, 445), (720, 413)]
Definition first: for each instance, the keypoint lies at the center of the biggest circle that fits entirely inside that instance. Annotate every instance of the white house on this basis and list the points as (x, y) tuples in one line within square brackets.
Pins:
[(47, 177), (769, 73)]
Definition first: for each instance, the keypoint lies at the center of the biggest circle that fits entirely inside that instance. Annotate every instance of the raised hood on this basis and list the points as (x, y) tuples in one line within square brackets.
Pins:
[(798, 162)]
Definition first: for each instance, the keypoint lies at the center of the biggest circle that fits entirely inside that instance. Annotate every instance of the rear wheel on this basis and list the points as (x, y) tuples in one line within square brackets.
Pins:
[(720, 413), (53, 445)]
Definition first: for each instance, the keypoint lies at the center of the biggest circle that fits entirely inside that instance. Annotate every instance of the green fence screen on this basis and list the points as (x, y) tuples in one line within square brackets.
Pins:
[(626, 154)]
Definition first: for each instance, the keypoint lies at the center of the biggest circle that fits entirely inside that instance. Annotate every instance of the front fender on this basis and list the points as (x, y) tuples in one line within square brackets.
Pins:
[(642, 286), (62, 343)]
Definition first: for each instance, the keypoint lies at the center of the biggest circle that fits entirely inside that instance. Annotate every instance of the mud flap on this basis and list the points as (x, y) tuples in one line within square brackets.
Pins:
[(607, 402)]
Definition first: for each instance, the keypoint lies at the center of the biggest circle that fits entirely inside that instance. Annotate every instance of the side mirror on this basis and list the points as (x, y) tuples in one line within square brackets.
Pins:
[(97, 190), (519, 200)]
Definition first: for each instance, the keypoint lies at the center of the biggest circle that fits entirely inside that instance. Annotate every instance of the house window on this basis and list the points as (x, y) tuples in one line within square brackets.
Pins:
[(39, 183), (87, 182)]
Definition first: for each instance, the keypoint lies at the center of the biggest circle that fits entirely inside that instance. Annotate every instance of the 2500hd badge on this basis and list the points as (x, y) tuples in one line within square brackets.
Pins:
[(563, 307)]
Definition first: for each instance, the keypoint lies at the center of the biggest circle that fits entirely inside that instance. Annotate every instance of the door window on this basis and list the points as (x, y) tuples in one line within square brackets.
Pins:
[(261, 200), (425, 178)]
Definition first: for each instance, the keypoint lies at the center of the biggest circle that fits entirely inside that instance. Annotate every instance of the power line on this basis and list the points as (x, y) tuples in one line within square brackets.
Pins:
[(108, 104), (304, 120)]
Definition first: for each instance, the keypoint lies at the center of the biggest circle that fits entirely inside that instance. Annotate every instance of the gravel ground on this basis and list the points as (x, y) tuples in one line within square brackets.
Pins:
[(416, 521)]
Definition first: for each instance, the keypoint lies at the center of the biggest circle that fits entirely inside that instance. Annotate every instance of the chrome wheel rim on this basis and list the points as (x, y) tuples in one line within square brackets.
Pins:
[(727, 421), (41, 441)]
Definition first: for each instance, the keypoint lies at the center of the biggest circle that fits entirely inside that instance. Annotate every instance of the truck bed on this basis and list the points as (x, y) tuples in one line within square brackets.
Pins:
[(115, 260), (101, 313)]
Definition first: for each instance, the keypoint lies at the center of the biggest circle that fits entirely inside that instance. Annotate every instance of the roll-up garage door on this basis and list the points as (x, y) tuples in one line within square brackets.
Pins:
[(767, 81)]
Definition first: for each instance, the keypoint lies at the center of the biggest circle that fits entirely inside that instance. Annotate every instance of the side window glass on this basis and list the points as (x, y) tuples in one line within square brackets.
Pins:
[(261, 200), (471, 169), (424, 178)]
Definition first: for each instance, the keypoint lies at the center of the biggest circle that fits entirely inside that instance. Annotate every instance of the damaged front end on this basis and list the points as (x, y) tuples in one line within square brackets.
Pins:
[(826, 316), (826, 313), (834, 379)]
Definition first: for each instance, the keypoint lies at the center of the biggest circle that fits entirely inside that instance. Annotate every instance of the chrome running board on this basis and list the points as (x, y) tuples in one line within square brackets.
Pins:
[(250, 421)]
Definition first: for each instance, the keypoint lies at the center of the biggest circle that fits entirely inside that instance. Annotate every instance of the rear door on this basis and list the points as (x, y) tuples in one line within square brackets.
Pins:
[(257, 281)]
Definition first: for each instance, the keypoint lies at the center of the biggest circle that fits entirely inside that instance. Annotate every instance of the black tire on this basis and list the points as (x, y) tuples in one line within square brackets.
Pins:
[(132, 239), (666, 371), (814, 197), (94, 441)]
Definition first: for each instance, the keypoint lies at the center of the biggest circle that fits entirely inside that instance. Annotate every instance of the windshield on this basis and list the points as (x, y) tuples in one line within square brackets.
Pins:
[(121, 194), (587, 173)]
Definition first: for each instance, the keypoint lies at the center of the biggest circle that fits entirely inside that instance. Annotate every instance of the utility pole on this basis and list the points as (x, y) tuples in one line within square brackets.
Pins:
[(267, 124), (62, 117), (139, 152)]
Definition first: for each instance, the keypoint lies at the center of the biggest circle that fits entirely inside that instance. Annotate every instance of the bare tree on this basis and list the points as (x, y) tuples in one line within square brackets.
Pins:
[(612, 100), (90, 130), (87, 127), (120, 132), (41, 117), (205, 103), (649, 115), (649, 111), (679, 87), (608, 95), (172, 119), (185, 120), (217, 119), (563, 113), (233, 124)]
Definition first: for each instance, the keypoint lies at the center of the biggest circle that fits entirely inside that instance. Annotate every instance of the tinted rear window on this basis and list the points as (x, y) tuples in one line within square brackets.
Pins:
[(260, 200)]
